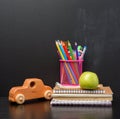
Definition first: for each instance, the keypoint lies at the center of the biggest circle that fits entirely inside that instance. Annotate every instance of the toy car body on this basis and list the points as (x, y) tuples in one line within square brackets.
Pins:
[(32, 88)]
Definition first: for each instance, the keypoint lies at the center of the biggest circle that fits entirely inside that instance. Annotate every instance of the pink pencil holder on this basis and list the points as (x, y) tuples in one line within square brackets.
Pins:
[(70, 71)]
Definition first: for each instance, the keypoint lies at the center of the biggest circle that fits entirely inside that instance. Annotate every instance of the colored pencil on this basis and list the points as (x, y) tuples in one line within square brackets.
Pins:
[(74, 79), (62, 56)]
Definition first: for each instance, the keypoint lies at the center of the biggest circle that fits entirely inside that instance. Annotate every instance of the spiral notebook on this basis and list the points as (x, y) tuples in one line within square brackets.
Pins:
[(70, 93), (84, 98), (62, 89), (103, 95), (57, 102)]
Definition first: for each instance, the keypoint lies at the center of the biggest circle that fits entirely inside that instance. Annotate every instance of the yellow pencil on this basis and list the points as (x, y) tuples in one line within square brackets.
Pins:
[(59, 51), (73, 82)]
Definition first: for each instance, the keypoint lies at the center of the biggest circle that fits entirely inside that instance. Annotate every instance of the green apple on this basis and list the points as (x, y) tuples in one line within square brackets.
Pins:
[(88, 80)]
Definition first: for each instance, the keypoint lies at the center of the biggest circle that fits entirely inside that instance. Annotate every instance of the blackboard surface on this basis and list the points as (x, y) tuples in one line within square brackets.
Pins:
[(28, 30)]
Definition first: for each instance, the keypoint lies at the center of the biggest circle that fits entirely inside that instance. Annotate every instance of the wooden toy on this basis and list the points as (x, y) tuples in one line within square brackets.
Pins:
[(32, 88)]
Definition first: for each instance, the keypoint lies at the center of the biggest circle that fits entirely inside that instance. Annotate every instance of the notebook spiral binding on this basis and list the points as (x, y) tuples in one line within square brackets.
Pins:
[(76, 91), (78, 102)]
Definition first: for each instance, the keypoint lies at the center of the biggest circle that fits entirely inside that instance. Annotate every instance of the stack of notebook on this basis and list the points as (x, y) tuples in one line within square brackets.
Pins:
[(74, 95)]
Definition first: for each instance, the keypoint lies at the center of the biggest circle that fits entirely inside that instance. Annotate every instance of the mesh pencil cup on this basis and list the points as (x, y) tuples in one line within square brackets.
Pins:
[(70, 71)]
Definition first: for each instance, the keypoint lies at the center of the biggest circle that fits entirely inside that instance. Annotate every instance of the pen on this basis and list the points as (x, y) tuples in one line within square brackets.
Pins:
[(76, 51), (79, 47), (84, 50)]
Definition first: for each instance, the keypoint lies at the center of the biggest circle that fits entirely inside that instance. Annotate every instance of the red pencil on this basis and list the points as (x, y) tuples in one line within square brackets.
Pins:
[(69, 58), (66, 50)]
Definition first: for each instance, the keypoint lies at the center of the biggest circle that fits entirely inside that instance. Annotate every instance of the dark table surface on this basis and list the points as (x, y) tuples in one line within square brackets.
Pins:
[(41, 109)]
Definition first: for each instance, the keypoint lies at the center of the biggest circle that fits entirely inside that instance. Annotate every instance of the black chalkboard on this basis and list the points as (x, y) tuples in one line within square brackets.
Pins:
[(28, 30)]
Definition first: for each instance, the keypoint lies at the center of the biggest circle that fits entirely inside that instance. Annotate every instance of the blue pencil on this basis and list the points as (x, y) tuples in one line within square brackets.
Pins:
[(65, 57)]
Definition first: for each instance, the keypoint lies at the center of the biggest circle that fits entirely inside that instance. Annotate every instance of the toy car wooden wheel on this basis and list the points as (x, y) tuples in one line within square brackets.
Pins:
[(20, 98), (48, 94)]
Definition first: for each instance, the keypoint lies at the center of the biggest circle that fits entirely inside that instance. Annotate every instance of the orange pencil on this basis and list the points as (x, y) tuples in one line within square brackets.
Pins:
[(69, 58)]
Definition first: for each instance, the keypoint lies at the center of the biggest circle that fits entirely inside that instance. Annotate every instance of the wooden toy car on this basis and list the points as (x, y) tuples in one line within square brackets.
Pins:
[(32, 88)]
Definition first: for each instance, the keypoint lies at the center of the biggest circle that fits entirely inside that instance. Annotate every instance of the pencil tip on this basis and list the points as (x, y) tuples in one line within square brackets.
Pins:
[(75, 43)]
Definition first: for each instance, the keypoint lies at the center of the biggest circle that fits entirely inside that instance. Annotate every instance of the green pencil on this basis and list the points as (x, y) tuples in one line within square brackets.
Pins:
[(71, 51)]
